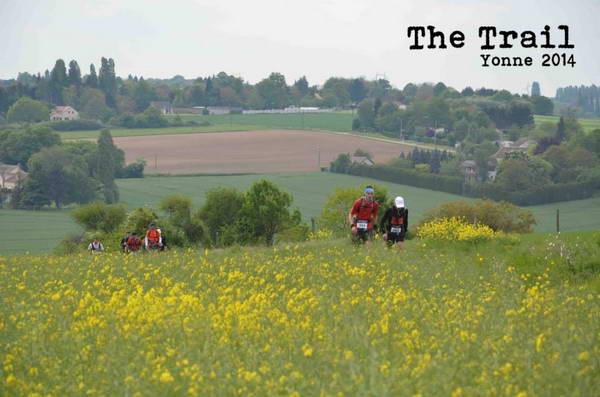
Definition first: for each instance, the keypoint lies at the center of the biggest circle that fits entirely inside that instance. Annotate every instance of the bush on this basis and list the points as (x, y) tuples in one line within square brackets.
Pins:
[(98, 216), (499, 216), (456, 229), (139, 219), (133, 170), (75, 125)]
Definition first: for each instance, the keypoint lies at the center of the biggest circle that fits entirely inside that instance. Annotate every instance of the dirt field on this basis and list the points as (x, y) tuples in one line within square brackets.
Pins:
[(249, 151)]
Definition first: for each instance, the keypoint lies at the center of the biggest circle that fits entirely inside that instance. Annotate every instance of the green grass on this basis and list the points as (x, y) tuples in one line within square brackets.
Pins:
[(33, 231), (40, 231), (161, 131), (588, 124), (335, 121)]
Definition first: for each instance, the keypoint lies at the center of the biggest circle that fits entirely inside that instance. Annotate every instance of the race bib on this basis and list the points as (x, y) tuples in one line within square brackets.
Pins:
[(362, 225), (396, 229)]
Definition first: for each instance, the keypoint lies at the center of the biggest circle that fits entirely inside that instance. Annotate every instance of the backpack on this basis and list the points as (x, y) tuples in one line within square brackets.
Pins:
[(154, 235)]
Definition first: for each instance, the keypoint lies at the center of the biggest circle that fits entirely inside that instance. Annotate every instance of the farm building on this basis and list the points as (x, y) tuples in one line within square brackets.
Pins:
[(64, 113)]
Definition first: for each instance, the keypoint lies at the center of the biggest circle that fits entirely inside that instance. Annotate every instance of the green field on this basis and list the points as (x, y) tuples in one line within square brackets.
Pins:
[(588, 124), (33, 231), (161, 131), (40, 231), (335, 121)]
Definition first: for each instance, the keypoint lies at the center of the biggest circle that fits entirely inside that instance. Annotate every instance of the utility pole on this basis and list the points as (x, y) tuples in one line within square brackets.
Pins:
[(318, 158), (155, 161)]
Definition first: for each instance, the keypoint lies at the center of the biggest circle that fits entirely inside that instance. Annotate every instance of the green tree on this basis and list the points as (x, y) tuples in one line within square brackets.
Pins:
[(264, 213), (92, 79), (107, 81), (535, 89), (93, 105), (27, 110), (179, 210), (58, 80), (59, 176), (16, 147), (366, 114), (221, 209), (98, 216), (274, 91), (542, 105), (341, 164), (301, 85), (74, 74), (106, 166)]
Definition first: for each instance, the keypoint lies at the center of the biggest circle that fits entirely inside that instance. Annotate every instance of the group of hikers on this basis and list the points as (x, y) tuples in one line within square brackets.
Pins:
[(154, 240), (362, 218)]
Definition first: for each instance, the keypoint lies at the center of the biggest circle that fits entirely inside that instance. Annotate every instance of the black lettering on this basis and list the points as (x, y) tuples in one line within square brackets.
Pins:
[(505, 35), (457, 39), (487, 30), (546, 34), (566, 44), (416, 30), (485, 59), (528, 61), (528, 39), (432, 35)]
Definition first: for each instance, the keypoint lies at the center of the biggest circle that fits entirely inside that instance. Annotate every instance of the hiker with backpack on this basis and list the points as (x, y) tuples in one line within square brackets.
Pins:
[(133, 243), (153, 239), (95, 246), (363, 215), (394, 223)]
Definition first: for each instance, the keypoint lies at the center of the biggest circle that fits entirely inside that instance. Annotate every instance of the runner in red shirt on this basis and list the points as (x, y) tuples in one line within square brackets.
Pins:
[(363, 215)]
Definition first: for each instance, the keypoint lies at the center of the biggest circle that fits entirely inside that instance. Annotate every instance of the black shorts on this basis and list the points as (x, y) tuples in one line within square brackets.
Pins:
[(395, 237)]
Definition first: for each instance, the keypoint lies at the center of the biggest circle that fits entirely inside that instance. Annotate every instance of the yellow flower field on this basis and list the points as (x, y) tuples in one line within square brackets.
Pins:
[(323, 318)]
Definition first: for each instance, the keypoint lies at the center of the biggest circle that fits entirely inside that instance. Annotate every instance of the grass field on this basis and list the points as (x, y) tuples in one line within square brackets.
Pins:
[(515, 317), (33, 231), (39, 232), (588, 124), (160, 131), (335, 121)]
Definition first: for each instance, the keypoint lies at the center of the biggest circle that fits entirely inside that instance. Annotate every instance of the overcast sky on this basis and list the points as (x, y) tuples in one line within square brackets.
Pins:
[(316, 38)]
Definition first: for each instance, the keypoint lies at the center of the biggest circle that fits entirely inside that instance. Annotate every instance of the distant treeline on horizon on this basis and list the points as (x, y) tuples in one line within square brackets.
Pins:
[(67, 85)]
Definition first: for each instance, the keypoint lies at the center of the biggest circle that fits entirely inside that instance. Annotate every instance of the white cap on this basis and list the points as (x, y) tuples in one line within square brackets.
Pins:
[(399, 202)]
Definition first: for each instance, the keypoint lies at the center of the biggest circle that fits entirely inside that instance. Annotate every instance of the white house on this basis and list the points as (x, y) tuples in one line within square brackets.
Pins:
[(64, 113), (10, 176)]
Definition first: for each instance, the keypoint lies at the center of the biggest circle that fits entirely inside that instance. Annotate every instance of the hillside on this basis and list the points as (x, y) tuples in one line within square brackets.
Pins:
[(40, 231), (519, 317)]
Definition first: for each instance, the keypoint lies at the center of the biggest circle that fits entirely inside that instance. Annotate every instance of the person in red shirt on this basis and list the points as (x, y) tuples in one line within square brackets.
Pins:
[(363, 215), (133, 243)]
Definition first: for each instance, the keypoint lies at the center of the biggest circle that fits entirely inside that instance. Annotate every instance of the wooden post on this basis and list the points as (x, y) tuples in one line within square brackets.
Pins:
[(557, 220), (312, 224), (155, 161)]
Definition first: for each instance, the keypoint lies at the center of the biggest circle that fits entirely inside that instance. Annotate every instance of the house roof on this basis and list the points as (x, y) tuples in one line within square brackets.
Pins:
[(62, 109), (11, 173), (361, 159)]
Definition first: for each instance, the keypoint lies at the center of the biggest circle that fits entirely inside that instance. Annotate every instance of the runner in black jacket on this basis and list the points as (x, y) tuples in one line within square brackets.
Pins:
[(394, 223)]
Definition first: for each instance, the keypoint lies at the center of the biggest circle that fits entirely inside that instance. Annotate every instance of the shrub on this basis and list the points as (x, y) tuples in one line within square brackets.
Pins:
[(499, 216), (456, 229), (98, 216)]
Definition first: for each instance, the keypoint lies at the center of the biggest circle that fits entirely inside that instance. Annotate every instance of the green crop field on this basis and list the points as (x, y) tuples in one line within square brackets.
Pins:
[(588, 124), (33, 231), (161, 131), (40, 231), (335, 121)]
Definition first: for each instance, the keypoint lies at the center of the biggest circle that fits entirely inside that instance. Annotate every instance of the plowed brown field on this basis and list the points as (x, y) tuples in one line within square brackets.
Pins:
[(249, 151)]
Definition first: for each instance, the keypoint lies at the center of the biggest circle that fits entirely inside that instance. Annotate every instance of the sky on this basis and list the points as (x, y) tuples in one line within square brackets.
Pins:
[(313, 38)]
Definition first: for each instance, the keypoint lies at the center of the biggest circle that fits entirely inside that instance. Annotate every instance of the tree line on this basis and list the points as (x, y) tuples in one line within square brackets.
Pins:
[(586, 98), (61, 173)]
